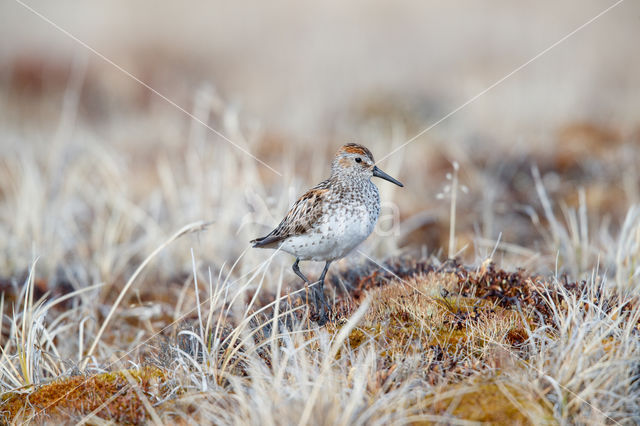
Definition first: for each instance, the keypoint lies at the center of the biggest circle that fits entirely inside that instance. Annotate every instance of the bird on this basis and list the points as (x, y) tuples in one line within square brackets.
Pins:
[(332, 218)]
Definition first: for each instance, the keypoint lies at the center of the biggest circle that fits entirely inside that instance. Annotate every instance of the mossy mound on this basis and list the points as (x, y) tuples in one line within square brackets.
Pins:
[(420, 316), (491, 402), (115, 396)]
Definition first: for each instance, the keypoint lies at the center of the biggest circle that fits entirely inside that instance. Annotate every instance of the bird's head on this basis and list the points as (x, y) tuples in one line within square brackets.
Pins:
[(357, 161)]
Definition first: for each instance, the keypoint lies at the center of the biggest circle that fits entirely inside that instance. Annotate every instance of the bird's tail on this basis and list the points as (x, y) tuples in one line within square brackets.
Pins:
[(268, 241)]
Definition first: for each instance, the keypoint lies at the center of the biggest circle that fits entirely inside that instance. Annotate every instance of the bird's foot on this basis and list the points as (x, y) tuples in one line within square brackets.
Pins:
[(323, 310), (323, 318)]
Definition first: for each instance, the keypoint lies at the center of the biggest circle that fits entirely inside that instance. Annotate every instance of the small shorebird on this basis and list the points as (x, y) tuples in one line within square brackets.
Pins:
[(332, 218)]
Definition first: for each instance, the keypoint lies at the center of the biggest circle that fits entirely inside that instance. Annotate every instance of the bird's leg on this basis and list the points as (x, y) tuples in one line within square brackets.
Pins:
[(296, 269), (326, 309)]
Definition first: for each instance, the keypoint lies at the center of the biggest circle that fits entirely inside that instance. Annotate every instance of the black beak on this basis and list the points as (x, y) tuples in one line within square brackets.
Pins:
[(379, 173)]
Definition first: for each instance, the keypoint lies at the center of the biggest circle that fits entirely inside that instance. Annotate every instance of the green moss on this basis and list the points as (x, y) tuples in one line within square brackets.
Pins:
[(402, 327)]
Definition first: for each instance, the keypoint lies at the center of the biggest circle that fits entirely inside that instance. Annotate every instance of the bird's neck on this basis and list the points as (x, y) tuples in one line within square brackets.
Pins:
[(350, 180)]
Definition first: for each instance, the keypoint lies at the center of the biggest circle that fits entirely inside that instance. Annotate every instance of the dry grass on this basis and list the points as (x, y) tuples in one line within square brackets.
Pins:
[(435, 342), (423, 348)]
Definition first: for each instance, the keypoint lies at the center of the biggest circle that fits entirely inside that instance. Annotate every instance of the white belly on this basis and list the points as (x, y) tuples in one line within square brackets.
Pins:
[(335, 236)]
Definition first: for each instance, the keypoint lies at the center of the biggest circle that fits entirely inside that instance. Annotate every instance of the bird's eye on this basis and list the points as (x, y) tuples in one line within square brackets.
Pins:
[(358, 160)]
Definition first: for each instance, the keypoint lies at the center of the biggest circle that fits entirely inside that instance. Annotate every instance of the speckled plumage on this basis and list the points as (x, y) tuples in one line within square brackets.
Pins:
[(333, 217)]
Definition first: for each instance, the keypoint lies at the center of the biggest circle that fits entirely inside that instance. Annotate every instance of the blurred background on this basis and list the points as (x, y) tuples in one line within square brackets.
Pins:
[(96, 169)]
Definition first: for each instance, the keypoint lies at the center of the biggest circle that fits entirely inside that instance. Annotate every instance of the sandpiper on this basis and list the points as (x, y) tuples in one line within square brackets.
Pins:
[(332, 218)]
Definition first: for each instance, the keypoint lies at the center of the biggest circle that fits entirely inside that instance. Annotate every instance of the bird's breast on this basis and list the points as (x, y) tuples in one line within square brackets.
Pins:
[(351, 223)]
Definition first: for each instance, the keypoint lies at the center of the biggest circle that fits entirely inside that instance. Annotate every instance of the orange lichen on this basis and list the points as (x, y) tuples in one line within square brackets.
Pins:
[(114, 396)]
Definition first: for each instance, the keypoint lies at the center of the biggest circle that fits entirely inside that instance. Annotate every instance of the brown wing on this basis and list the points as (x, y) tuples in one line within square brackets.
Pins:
[(302, 216)]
